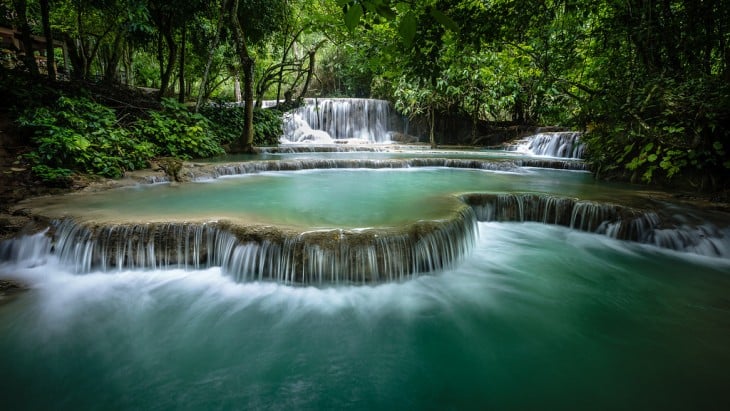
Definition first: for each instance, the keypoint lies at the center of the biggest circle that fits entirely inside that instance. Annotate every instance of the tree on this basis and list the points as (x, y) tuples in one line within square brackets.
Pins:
[(251, 22)]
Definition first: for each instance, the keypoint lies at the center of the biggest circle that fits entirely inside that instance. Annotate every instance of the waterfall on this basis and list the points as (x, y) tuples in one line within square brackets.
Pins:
[(615, 221), (251, 167), (30, 249), (251, 253), (345, 256), (564, 144), (339, 120)]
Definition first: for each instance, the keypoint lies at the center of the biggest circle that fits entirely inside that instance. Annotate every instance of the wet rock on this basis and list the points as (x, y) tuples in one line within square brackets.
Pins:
[(9, 289), (171, 166), (403, 138)]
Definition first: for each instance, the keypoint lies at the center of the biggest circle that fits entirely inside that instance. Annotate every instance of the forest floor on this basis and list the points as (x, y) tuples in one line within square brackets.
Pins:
[(16, 180)]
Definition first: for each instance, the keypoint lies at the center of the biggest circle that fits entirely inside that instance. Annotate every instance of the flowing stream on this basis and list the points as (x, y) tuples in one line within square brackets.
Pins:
[(478, 283), (536, 317)]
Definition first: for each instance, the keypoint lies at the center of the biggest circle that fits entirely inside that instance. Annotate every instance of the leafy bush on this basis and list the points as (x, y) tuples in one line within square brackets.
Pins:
[(664, 130), (228, 122), (267, 127), (177, 132), (79, 134)]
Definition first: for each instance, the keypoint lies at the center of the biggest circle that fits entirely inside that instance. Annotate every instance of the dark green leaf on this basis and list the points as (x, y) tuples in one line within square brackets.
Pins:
[(444, 20), (352, 16), (407, 29)]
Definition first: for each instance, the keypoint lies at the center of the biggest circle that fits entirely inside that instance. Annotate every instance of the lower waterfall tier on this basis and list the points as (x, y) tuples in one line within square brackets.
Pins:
[(346, 256), (260, 253)]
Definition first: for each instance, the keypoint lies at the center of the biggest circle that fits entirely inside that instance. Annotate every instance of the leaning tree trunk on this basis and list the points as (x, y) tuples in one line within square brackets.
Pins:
[(247, 65), (310, 72)]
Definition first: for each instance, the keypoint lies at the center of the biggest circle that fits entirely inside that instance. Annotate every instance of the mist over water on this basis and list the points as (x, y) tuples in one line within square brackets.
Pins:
[(536, 317)]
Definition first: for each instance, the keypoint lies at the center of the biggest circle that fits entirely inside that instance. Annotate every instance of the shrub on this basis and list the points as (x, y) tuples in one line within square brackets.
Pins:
[(176, 132), (77, 134), (228, 122)]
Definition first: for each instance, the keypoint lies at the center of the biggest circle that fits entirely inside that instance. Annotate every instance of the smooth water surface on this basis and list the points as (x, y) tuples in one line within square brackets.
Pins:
[(537, 317), (327, 198)]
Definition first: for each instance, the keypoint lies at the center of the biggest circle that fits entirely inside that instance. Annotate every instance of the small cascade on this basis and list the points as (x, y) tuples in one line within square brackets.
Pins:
[(565, 144), (335, 148), (29, 249), (251, 253), (251, 167), (208, 171), (326, 121), (615, 221), (297, 130), (575, 165)]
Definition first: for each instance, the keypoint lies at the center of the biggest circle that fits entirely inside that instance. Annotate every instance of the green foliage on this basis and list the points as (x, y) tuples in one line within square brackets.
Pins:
[(227, 122), (177, 132), (267, 126), (648, 80), (663, 130), (81, 135), (53, 176)]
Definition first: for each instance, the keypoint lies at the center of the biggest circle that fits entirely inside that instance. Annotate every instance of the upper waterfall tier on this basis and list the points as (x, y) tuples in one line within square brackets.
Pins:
[(564, 144), (325, 121)]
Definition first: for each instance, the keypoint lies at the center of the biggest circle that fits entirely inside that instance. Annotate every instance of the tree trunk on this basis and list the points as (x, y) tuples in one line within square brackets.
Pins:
[(181, 94), (310, 73), (50, 55), (283, 61), (237, 88), (432, 120), (248, 78), (171, 54), (111, 71), (21, 8), (247, 65), (75, 55)]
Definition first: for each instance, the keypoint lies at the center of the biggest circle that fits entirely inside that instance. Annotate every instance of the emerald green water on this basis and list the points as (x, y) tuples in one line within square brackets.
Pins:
[(327, 198), (537, 317)]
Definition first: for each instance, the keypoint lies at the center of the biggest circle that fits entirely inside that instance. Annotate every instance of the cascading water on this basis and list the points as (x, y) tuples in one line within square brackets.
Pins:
[(256, 253), (565, 144), (324, 121), (185, 301)]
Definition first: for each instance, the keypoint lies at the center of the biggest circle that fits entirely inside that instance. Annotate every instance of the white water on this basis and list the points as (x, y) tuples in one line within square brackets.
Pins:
[(327, 121), (539, 317), (563, 144)]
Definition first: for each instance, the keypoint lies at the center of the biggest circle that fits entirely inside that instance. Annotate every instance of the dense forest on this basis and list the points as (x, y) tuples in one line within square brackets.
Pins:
[(648, 80)]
